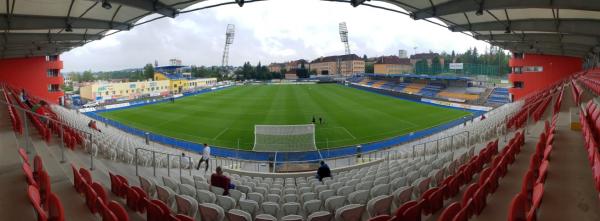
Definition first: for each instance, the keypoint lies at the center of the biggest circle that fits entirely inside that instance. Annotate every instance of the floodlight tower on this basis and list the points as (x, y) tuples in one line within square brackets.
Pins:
[(344, 37), (229, 35)]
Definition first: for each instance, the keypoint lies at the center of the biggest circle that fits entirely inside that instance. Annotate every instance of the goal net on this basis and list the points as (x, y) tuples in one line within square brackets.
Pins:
[(291, 138)]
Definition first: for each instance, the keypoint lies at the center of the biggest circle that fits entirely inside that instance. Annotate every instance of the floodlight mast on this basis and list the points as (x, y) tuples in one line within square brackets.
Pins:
[(229, 36), (344, 37)]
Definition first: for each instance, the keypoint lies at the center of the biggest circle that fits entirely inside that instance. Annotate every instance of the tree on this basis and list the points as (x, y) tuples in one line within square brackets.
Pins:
[(87, 76), (302, 72), (421, 67), (148, 71), (369, 68), (364, 57), (436, 65)]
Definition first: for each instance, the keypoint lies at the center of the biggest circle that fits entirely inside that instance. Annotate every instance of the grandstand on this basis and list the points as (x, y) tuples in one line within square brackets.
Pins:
[(533, 158)]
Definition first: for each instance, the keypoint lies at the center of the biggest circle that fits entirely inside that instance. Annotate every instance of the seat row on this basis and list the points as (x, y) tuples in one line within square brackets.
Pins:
[(15, 119), (589, 117), (46, 204)]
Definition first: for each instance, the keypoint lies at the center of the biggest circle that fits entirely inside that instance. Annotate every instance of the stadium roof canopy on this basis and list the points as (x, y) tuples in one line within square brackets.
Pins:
[(46, 27), (557, 27)]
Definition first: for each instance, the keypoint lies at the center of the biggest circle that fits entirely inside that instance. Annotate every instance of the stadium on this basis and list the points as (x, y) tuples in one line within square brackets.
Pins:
[(419, 138)]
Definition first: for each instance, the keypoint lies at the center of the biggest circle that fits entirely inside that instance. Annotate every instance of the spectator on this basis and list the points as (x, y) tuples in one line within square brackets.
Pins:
[(40, 109), (323, 171), (219, 180), (24, 98), (205, 157), (92, 125)]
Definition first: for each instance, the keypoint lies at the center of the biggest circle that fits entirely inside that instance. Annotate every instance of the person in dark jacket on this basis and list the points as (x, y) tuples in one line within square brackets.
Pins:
[(219, 180), (323, 171)]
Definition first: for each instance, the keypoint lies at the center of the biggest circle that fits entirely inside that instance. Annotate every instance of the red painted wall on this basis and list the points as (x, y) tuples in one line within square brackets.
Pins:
[(555, 68), (31, 74)]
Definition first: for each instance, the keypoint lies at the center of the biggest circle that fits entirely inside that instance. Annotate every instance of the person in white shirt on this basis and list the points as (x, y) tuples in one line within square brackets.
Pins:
[(205, 157)]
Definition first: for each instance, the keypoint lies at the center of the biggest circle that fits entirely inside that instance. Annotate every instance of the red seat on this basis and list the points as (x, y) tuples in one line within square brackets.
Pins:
[(24, 156), (118, 210), (90, 198), (29, 175), (467, 199), (527, 186), (45, 188), (450, 212), (461, 215), (104, 212), (56, 211), (413, 213), (115, 184), (143, 200), (399, 215), (34, 198), (426, 205), (377, 218), (132, 198), (124, 185), (479, 199), (100, 192), (77, 179), (86, 175), (38, 166), (538, 193), (436, 199), (518, 208), (542, 172), (157, 211)]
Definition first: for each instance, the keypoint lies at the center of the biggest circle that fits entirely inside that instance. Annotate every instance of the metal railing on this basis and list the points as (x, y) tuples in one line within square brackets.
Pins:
[(25, 139)]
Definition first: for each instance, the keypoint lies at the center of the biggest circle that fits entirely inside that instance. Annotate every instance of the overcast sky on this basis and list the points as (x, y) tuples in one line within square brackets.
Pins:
[(271, 31)]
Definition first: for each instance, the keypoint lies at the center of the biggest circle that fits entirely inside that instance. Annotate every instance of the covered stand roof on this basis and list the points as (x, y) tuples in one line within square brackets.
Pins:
[(47, 27), (555, 27)]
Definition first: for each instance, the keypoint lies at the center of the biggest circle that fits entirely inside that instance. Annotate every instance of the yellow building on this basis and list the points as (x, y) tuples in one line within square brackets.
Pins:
[(343, 64), (103, 91), (392, 65), (179, 83)]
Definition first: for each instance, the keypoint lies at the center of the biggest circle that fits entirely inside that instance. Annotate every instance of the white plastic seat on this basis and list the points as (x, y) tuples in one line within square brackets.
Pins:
[(270, 208), (238, 215), (381, 189), (187, 189), (212, 212), (148, 185), (171, 183), (308, 196), (402, 195), (226, 202), (188, 181), (364, 185), (203, 186), (273, 198), (186, 205), (243, 188), (204, 196), (381, 180), (165, 194), (352, 212), (235, 194), (265, 217), (291, 208), (320, 216), (334, 202), (256, 197), (359, 197), (325, 194), (289, 191), (292, 217), (217, 190), (250, 206), (311, 206), (290, 198), (379, 205), (398, 182), (345, 191), (319, 188)]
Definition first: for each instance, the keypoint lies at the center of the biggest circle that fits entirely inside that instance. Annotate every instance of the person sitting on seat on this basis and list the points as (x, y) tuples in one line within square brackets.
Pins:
[(323, 171), (40, 109), (219, 180), (92, 125)]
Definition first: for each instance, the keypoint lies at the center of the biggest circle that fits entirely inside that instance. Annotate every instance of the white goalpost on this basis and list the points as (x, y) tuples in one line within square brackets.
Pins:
[(284, 138)]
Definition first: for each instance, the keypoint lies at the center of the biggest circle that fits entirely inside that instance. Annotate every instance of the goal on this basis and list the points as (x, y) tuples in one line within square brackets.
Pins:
[(285, 138)]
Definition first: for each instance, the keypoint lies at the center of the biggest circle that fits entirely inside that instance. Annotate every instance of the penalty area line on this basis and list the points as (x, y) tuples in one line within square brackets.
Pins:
[(221, 133)]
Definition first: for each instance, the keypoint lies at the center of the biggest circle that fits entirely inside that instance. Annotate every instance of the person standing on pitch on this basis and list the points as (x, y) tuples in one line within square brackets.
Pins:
[(205, 157), (313, 121), (320, 120)]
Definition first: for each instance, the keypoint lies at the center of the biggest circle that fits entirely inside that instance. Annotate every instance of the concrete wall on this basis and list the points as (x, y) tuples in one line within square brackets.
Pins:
[(31, 74)]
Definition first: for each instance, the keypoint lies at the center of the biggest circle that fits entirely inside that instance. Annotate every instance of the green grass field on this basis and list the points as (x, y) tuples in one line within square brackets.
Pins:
[(221, 118)]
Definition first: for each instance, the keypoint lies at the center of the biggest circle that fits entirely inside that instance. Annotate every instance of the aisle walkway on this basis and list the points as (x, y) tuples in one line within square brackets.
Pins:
[(569, 192)]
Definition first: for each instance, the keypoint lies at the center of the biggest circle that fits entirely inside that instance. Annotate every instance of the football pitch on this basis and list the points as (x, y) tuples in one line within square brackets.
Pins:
[(226, 118)]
